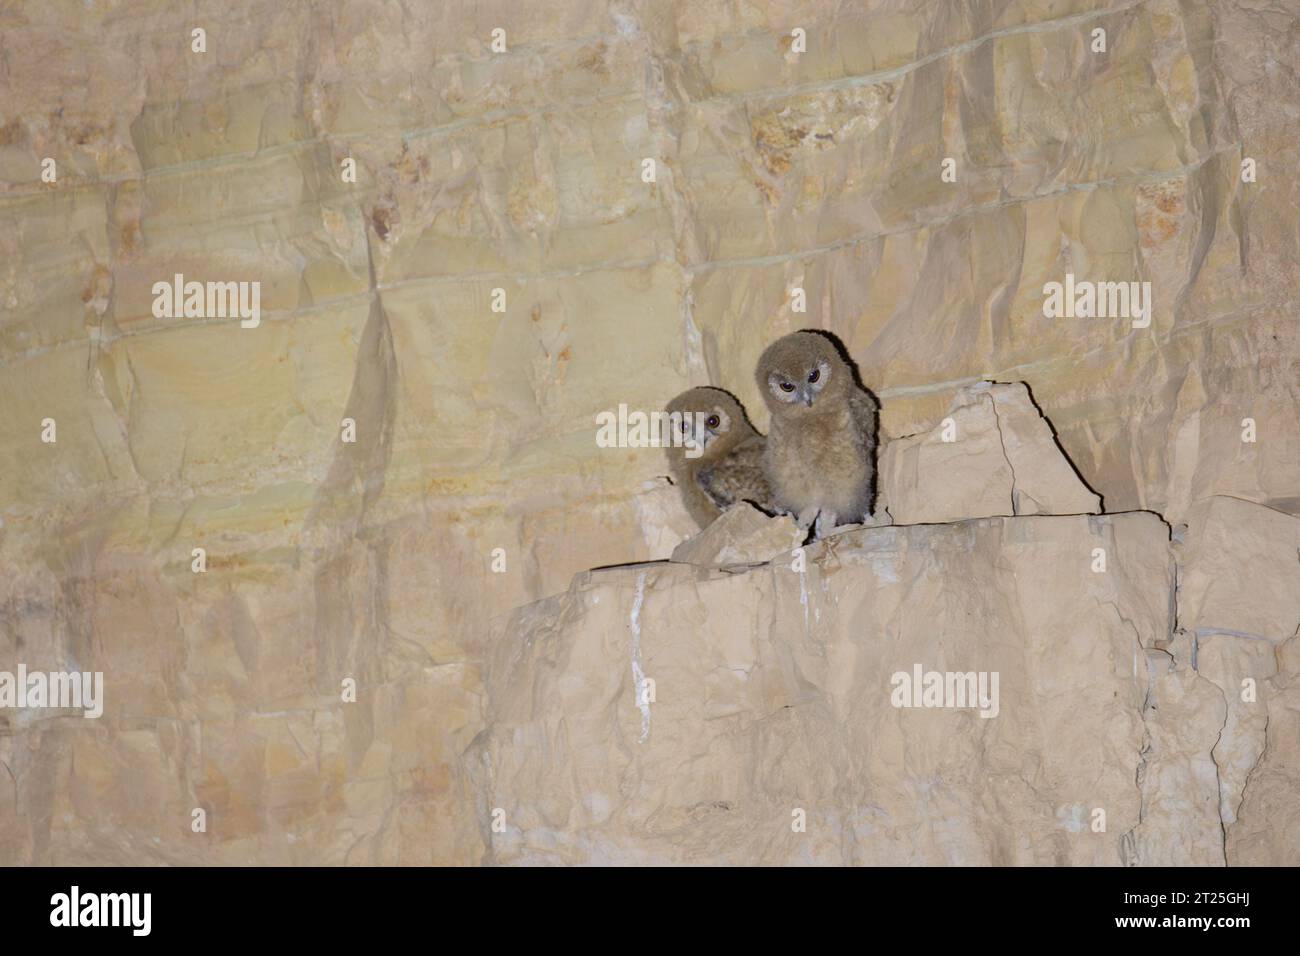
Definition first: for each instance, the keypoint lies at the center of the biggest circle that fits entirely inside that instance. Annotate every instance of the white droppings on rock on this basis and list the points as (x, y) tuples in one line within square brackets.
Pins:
[(638, 675)]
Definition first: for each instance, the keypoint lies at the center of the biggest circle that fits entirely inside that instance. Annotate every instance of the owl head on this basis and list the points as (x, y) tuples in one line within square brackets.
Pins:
[(711, 420), (799, 371)]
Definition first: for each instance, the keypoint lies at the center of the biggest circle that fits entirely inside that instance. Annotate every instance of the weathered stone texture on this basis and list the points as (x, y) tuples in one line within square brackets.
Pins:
[(522, 171)]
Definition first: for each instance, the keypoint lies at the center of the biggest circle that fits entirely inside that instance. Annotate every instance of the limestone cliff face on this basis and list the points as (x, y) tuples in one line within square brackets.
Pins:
[(1044, 689), (778, 167), (772, 697)]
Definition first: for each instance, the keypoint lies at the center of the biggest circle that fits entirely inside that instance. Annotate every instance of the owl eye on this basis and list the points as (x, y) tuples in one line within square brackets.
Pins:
[(815, 374), (787, 386), (713, 421), (686, 426)]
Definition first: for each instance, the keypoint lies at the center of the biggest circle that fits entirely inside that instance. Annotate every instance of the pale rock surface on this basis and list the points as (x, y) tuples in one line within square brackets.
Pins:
[(1241, 571), (1267, 832), (740, 535), (993, 453), (1177, 774), (1238, 605), (1230, 663), (772, 693)]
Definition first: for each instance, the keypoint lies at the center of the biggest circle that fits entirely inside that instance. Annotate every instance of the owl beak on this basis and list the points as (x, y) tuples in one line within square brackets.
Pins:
[(807, 399), (702, 437)]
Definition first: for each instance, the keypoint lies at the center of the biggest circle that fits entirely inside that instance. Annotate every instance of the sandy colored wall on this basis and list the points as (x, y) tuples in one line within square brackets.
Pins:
[(522, 171)]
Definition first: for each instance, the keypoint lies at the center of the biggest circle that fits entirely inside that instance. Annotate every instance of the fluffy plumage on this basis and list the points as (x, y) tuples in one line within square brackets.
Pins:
[(821, 447), (730, 468)]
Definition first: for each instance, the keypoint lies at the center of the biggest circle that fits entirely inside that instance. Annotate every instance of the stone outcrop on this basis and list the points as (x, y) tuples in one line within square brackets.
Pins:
[(1239, 571), (778, 714), (772, 697), (1266, 829), (1239, 605), (740, 535), (993, 453)]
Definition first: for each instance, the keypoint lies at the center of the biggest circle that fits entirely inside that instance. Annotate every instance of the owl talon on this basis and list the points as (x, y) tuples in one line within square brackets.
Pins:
[(806, 519), (825, 524)]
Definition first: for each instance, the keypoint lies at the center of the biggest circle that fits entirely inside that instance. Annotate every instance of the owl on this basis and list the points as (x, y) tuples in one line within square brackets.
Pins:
[(820, 458), (720, 461)]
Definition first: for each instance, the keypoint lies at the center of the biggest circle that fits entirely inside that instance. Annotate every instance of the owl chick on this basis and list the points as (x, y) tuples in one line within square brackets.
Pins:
[(821, 448), (721, 459)]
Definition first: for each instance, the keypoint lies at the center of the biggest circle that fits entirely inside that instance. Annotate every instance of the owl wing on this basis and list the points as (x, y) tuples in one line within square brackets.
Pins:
[(864, 409), (862, 406), (738, 477)]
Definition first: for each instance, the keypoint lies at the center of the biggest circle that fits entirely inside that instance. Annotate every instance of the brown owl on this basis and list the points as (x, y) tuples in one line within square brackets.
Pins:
[(820, 458), (721, 460)]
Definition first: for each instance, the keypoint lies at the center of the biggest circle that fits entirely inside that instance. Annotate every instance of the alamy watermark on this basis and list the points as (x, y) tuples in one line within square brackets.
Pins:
[(1085, 299), (637, 429), (75, 908), (954, 689), (179, 299), (60, 690)]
